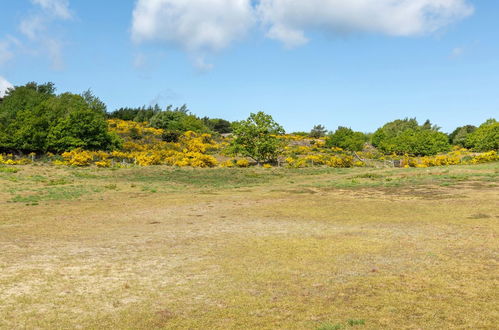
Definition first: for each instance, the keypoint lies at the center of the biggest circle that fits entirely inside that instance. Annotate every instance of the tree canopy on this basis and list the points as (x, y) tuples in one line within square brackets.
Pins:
[(256, 137), (459, 135), (178, 119), (408, 137), (318, 131), (34, 119), (485, 137), (347, 139)]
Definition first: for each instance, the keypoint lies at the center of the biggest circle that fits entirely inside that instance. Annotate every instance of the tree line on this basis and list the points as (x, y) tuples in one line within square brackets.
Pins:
[(33, 118)]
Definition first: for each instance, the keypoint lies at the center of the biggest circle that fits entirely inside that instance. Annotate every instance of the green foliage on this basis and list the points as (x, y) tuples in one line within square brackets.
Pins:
[(218, 125), (347, 139), (171, 136), (256, 137), (178, 119), (407, 137), (318, 131), (485, 138), (304, 134), (460, 134), (78, 125), (34, 119), (139, 115)]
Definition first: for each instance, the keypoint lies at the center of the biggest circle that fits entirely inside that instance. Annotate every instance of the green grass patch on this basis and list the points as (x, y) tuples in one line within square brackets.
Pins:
[(54, 193), (8, 170)]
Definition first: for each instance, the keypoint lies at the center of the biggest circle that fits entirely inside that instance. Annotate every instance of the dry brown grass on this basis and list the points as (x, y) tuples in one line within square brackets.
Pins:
[(291, 250)]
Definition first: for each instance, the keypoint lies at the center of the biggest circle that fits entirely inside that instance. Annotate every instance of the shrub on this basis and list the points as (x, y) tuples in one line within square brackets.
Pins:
[(407, 137), (318, 131), (218, 125), (485, 138), (178, 119), (346, 139), (460, 135), (257, 138), (486, 157), (242, 163), (78, 157), (34, 119)]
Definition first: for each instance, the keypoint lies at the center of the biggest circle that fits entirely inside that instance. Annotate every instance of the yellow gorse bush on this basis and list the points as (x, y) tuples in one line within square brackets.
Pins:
[(79, 157), (191, 150), (486, 157), (9, 159), (144, 146)]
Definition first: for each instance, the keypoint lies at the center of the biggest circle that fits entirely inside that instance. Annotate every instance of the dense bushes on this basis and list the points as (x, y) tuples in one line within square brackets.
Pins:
[(143, 114), (178, 119), (318, 131), (347, 139), (408, 137), (34, 119), (218, 125), (459, 135), (485, 138)]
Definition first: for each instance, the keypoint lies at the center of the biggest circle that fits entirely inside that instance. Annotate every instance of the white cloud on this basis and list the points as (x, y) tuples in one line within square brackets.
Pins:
[(57, 8), (201, 27), (4, 85), (197, 26), (33, 26), (288, 20)]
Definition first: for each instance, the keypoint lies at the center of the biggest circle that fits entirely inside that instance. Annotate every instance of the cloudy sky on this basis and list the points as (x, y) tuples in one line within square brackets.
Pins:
[(356, 63)]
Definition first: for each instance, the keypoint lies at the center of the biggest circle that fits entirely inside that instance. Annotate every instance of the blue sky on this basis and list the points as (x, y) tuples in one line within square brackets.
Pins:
[(316, 62)]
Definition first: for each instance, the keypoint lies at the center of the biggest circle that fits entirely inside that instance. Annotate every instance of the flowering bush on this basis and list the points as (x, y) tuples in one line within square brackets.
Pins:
[(144, 146), (78, 157), (10, 160), (242, 163), (486, 157)]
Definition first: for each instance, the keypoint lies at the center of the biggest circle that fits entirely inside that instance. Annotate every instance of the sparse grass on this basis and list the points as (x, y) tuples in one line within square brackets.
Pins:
[(318, 248), (8, 169)]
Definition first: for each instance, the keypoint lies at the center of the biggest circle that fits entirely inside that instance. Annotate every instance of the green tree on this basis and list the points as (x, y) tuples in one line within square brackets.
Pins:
[(218, 125), (178, 119), (22, 125), (407, 137), (256, 137), (34, 119), (78, 124), (347, 139), (459, 135), (142, 114), (318, 131), (485, 138)]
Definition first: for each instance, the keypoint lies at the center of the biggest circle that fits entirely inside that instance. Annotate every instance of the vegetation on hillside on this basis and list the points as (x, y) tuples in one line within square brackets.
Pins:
[(76, 130)]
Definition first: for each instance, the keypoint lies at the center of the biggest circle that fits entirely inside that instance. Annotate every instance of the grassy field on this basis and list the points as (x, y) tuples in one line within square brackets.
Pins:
[(314, 248)]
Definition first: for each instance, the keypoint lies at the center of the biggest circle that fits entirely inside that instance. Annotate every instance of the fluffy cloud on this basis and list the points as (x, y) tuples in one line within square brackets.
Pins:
[(4, 85), (205, 26), (193, 24), (288, 20), (57, 8), (197, 26)]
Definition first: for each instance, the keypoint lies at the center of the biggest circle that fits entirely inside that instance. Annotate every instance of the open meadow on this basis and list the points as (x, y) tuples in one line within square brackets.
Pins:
[(231, 248)]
